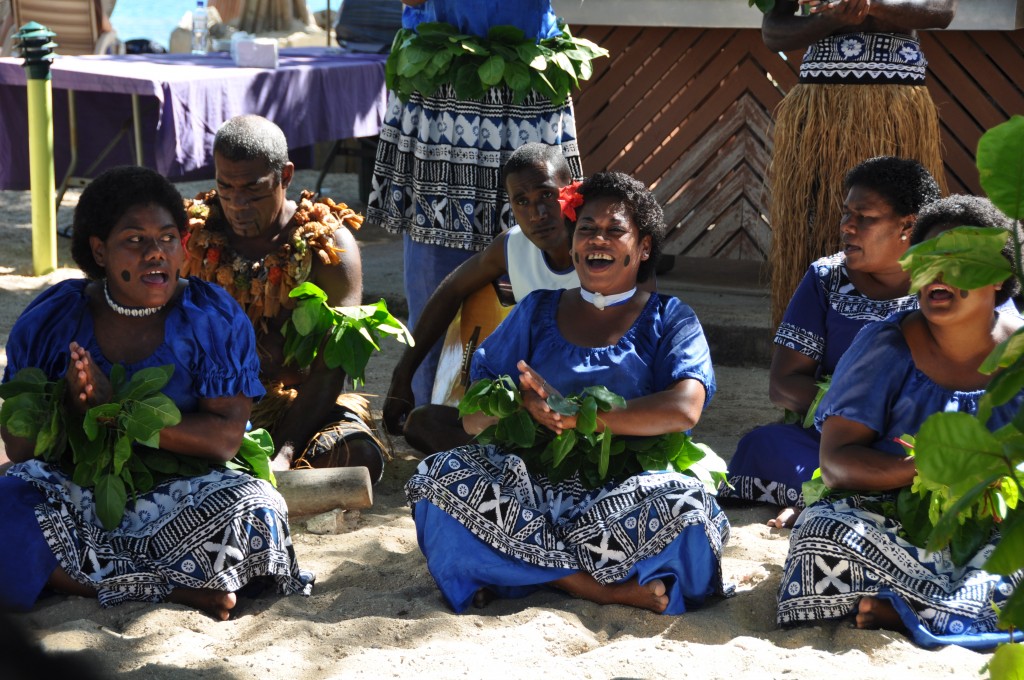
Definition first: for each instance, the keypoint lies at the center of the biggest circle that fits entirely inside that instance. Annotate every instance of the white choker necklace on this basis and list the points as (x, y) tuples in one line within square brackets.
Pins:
[(128, 311), (602, 301)]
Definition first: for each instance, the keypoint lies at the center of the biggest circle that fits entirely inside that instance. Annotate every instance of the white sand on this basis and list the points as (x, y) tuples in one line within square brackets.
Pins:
[(375, 612)]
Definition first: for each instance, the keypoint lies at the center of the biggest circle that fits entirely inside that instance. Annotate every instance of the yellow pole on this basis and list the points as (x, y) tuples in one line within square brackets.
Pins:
[(37, 49), (43, 180)]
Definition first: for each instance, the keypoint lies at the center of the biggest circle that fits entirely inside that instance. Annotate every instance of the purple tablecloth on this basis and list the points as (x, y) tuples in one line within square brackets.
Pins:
[(315, 94)]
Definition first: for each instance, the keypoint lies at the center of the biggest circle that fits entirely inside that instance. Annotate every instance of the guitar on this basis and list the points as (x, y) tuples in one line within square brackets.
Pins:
[(477, 318)]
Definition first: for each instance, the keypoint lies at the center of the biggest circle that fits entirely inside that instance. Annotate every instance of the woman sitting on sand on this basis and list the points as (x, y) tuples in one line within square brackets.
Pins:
[(489, 527), (190, 540), (844, 556), (838, 296)]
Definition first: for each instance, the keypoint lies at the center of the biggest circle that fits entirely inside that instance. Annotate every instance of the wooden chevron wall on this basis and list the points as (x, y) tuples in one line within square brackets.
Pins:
[(688, 111)]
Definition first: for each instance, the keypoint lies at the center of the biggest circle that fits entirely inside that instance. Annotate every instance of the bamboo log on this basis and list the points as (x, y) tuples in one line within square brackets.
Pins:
[(310, 492)]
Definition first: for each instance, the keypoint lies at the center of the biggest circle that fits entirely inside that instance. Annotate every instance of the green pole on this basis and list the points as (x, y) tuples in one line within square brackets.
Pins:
[(37, 49)]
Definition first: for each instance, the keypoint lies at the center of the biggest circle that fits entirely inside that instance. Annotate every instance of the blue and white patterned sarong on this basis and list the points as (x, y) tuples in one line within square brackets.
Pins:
[(485, 522), (218, 531), (437, 174), (841, 551)]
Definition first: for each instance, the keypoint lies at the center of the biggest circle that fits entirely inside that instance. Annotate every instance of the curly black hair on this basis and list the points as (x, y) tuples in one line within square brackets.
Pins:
[(642, 206), (960, 210), (107, 198), (904, 183)]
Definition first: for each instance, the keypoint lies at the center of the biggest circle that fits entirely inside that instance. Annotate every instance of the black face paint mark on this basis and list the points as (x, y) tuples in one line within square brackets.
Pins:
[(626, 263), (964, 294), (177, 274), (576, 258), (125, 276)]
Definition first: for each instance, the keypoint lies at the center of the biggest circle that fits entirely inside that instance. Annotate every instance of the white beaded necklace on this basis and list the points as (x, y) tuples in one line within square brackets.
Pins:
[(128, 311), (601, 301)]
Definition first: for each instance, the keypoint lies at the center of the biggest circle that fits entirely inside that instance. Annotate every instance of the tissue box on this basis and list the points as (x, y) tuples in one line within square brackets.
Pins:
[(256, 53)]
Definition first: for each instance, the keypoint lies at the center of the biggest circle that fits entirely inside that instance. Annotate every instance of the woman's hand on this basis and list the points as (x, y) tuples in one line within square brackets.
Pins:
[(535, 390), (87, 385)]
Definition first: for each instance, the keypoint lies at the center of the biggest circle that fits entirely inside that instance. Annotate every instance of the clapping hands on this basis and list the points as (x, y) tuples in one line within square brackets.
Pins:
[(535, 390)]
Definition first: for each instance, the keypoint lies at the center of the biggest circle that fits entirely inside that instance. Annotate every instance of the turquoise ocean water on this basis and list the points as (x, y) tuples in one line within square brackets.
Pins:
[(156, 20)]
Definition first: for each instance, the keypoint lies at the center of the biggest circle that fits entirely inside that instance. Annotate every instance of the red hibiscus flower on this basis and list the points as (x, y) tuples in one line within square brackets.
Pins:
[(570, 198)]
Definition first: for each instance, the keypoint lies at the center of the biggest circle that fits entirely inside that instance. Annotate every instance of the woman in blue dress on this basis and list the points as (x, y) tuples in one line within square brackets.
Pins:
[(837, 297), (844, 556), (190, 540), (489, 527)]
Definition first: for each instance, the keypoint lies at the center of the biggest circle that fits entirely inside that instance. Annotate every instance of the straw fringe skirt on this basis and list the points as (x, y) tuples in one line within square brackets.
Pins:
[(821, 132)]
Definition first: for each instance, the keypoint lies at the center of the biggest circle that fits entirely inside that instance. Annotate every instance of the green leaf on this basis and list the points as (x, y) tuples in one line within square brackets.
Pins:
[(586, 419), (26, 380), (305, 316), (517, 75), (111, 499), (814, 489), (97, 415), (1006, 558), (122, 452), (562, 405), (470, 402), (950, 521), (606, 451), (25, 414), (308, 290), (562, 446), (606, 399), (159, 460), (1000, 162), (521, 428), (1006, 353), (966, 257), (912, 509), (492, 70), (823, 385), (146, 382), (1004, 387), (144, 419), (960, 451), (254, 455), (1007, 663)]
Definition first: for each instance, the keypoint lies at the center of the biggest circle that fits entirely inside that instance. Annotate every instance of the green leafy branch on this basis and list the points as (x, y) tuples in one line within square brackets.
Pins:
[(436, 53), (345, 336), (596, 456), (807, 419), (113, 447)]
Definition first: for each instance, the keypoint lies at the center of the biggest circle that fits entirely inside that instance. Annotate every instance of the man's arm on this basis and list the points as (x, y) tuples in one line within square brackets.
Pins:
[(783, 30), (437, 315), (343, 284)]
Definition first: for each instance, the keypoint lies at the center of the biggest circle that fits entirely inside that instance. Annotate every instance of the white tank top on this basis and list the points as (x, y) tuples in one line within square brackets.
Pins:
[(529, 271)]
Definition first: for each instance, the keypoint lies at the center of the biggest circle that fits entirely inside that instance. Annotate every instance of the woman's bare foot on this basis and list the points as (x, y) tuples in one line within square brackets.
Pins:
[(650, 595), (216, 603), (785, 519), (875, 613)]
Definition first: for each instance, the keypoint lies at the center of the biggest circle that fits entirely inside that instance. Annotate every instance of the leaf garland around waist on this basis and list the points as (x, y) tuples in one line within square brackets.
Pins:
[(436, 53)]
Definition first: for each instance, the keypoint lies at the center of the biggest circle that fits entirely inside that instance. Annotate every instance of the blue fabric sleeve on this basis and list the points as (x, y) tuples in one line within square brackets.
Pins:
[(511, 341), (535, 18), (215, 339), (869, 378), (803, 324), (44, 330), (683, 350)]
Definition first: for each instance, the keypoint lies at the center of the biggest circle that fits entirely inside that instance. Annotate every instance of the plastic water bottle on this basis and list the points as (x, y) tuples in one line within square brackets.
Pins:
[(200, 31)]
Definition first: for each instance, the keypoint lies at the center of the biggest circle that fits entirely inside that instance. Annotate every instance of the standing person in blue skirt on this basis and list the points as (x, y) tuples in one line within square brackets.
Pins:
[(437, 172)]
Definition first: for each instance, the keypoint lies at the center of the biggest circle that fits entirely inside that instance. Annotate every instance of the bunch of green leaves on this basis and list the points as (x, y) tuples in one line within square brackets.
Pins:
[(763, 5), (113, 447), (595, 456), (436, 53), (345, 336), (972, 477)]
